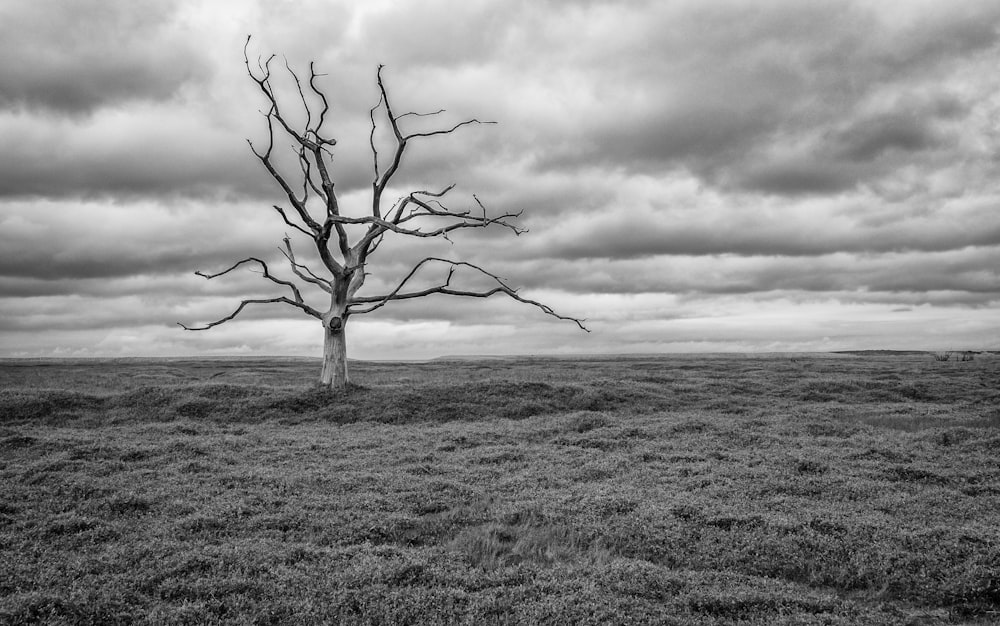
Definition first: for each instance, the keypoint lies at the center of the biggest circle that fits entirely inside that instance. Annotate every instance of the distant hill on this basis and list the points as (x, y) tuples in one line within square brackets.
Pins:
[(882, 352), (910, 352)]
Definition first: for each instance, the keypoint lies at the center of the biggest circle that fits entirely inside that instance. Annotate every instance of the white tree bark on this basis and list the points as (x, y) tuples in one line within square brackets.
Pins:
[(334, 372)]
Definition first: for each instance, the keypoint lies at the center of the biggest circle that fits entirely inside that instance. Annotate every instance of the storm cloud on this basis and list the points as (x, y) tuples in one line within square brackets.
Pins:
[(73, 59), (731, 175)]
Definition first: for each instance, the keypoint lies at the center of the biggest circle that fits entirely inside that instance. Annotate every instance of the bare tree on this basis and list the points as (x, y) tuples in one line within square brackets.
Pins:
[(416, 214)]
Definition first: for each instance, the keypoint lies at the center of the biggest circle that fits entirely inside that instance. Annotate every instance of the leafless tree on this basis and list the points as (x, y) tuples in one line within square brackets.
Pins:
[(416, 214)]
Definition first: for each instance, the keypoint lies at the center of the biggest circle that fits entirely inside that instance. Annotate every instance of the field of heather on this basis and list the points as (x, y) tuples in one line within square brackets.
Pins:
[(693, 489)]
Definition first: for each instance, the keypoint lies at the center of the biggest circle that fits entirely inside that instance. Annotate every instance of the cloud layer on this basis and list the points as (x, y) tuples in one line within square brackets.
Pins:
[(695, 176)]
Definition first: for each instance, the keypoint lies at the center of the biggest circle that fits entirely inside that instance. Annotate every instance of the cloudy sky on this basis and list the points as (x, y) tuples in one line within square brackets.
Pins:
[(695, 176)]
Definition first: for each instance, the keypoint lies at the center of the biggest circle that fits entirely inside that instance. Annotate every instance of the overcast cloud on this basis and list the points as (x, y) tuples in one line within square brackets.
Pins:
[(695, 176)]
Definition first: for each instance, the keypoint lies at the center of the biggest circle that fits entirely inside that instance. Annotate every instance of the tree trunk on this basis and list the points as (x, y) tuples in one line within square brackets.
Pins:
[(334, 374)]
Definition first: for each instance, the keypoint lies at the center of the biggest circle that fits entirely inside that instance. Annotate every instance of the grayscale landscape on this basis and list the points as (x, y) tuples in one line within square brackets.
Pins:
[(855, 488), (500, 312)]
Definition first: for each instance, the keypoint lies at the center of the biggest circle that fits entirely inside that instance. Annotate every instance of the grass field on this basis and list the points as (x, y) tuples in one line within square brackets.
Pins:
[(814, 489)]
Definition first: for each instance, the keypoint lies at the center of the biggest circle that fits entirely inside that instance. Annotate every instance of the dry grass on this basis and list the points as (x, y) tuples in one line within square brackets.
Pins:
[(826, 489)]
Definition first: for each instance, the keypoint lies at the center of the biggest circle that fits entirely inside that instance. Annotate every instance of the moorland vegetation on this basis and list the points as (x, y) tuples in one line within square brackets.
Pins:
[(780, 489)]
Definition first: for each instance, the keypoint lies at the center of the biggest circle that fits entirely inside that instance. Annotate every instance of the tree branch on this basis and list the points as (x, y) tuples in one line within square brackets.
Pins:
[(438, 112), (377, 302), (310, 142), (274, 113), (380, 182), (298, 268), (264, 83), (446, 131), (329, 194), (468, 220), (463, 219), (307, 177), (403, 202), (371, 142), (244, 303), (265, 159), (379, 227), (281, 212), (297, 302), (326, 103), (302, 96), (267, 274)]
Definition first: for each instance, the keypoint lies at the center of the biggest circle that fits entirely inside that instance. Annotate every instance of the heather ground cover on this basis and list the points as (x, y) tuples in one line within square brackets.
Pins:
[(777, 489)]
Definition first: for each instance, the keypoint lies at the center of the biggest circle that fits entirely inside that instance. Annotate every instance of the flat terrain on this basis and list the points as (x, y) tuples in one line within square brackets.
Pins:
[(778, 489)]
